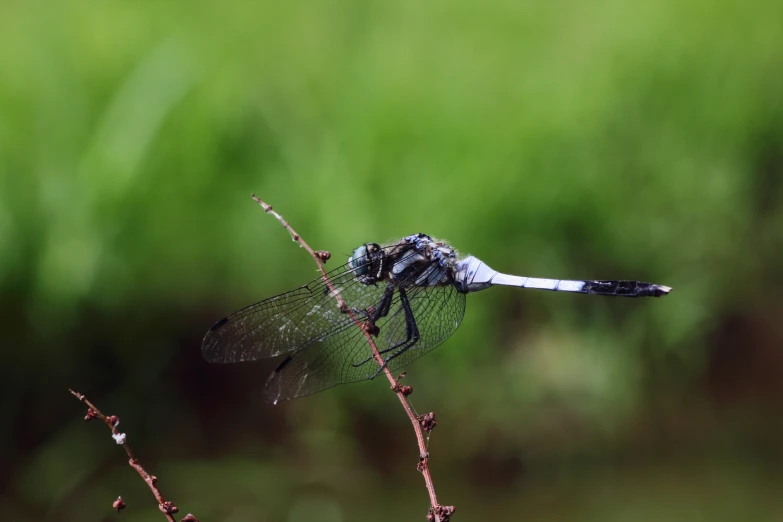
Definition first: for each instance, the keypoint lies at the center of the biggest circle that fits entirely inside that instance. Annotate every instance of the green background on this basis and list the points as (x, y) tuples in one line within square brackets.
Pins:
[(638, 140)]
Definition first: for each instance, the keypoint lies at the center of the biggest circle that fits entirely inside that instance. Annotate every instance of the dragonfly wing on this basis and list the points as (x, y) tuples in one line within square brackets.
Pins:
[(318, 366), (288, 321), (268, 328), (345, 356)]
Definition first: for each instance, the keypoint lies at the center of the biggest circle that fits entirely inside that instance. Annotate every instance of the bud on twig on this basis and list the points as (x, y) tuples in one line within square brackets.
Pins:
[(168, 507), (404, 390), (118, 504), (423, 459), (427, 421), (371, 328), (442, 512)]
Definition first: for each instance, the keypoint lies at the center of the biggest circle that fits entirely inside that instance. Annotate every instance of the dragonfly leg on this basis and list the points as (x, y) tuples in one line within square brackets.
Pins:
[(411, 338), (381, 311), (384, 306), (411, 330)]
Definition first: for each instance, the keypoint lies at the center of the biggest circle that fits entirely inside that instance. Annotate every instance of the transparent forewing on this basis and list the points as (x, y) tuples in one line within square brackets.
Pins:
[(291, 320), (345, 356)]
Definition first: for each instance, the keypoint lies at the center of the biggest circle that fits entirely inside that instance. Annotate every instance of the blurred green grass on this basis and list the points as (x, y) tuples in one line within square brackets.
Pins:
[(612, 140)]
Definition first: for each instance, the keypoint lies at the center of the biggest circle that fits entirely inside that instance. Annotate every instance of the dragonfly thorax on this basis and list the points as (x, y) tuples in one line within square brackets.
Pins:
[(417, 260)]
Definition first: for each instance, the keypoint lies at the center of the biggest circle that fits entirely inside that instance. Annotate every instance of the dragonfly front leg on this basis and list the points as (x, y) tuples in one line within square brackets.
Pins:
[(411, 335), (385, 305), (382, 310), (411, 332)]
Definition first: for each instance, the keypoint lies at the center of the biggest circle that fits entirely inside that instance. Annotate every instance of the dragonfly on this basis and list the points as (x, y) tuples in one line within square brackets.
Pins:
[(410, 295)]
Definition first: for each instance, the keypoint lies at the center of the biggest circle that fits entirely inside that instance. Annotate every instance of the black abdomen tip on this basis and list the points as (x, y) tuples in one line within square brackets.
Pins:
[(658, 290), (625, 288)]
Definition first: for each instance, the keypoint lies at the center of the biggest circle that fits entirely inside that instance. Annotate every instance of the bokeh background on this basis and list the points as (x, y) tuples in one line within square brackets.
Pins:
[(639, 140)]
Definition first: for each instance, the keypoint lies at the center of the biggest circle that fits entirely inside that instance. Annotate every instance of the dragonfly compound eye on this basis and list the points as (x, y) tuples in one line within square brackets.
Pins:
[(358, 260), (361, 259)]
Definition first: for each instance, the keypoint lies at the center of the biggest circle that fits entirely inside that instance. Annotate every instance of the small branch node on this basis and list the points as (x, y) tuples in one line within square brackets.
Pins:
[(442, 513), (168, 507), (427, 421), (267, 208), (118, 504), (424, 460), (404, 390), (370, 328)]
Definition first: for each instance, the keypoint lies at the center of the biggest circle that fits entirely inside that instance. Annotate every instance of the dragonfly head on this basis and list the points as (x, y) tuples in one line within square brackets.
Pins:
[(361, 260)]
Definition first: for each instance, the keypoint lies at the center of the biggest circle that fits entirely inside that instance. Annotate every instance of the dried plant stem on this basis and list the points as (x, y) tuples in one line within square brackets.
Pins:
[(437, 512), (167, 508)]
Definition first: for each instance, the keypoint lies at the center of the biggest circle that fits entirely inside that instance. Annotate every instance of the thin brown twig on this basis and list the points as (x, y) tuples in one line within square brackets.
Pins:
[(167, 508), (437, 512)]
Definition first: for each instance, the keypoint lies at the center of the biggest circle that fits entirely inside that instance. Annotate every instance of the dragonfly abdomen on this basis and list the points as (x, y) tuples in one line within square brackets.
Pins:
[(624, 288)]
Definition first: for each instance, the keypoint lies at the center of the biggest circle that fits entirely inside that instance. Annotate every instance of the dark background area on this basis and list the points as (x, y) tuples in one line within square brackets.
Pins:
[(612, 141)]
